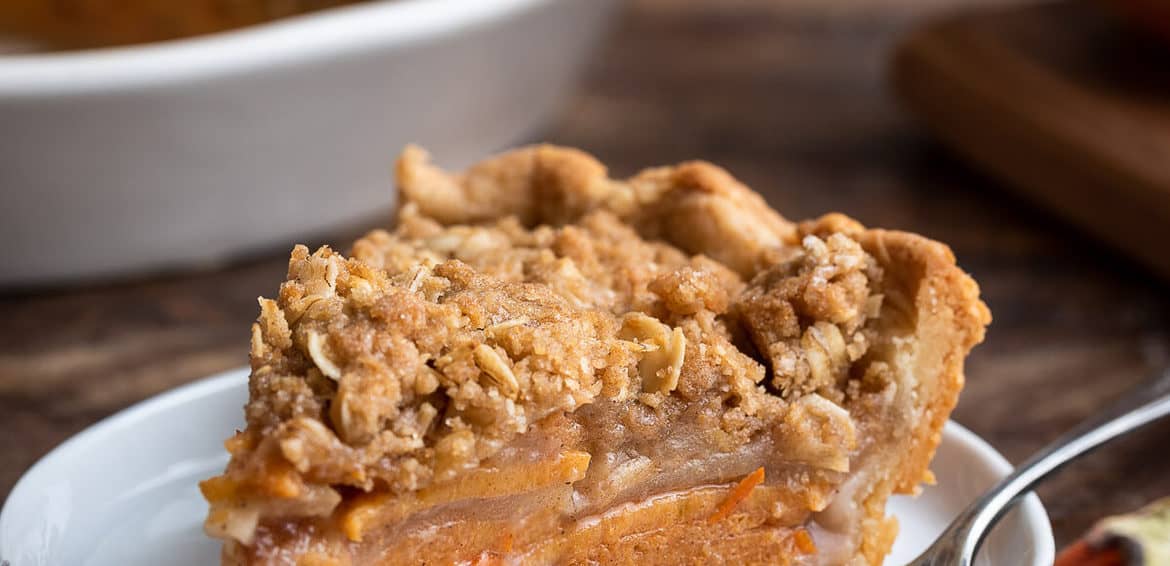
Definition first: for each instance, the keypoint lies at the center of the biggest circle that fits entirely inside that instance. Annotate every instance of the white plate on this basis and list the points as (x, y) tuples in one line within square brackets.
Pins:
[(123, 492)]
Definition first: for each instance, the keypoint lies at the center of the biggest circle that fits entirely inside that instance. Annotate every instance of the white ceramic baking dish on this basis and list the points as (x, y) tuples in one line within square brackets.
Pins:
[(135, 159)]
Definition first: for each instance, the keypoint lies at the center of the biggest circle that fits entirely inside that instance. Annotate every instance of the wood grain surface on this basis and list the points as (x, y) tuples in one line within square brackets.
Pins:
[(1063, 101), (792, 97)]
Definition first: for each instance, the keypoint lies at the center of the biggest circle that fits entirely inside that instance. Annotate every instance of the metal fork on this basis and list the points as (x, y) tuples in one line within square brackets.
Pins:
[(957, 545)]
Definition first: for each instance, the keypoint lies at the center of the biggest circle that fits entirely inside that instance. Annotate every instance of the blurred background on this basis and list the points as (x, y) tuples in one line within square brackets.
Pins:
[(149, 193)]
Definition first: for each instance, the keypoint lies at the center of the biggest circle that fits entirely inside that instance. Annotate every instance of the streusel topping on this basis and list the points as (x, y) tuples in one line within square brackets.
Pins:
[(548, 288)]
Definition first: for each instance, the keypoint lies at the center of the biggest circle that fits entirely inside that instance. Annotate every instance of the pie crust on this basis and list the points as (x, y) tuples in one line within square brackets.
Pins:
[(544, 365)]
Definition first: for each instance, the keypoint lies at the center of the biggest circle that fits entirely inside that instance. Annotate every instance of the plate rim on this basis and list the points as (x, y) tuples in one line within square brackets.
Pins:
[(274, 44), (159, 402), (1032, 511)]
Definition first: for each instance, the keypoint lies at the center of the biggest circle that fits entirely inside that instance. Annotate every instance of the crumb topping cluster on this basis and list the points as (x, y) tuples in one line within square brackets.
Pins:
[(533, 286), (807, 315)]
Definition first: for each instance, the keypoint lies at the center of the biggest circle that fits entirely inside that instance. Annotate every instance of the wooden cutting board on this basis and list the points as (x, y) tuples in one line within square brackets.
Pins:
[(1064, 102)]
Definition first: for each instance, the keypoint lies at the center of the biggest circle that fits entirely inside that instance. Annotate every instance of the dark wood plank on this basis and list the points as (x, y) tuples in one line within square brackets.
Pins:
[(792, 97), (1064, 101)]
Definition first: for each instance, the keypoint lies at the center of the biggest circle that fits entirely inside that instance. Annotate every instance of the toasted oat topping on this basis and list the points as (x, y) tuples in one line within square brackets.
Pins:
[(807, 315), (533, 286)]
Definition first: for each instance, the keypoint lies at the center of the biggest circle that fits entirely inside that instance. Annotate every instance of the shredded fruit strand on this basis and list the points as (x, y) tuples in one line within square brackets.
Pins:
[(738, 493), (804, 542)]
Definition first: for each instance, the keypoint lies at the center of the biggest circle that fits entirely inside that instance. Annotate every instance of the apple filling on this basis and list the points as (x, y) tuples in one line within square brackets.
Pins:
[(545, 365)]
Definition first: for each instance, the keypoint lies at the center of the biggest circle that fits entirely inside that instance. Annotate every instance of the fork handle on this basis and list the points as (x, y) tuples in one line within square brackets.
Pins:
[(1144, 404)]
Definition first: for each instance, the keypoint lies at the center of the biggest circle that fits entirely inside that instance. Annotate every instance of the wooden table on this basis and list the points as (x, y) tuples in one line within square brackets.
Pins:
[(791, 96)]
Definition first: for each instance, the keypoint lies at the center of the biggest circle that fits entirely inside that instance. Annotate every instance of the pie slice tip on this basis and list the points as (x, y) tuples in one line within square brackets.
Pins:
[(544, 365)]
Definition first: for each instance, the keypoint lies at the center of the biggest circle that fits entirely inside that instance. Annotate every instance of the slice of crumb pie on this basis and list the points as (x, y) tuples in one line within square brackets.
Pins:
[(543, 365)]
